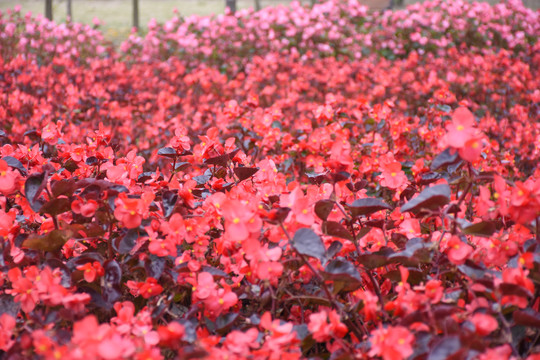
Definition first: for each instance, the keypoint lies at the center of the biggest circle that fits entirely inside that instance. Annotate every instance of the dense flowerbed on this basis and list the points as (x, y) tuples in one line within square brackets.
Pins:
[(293, 183)]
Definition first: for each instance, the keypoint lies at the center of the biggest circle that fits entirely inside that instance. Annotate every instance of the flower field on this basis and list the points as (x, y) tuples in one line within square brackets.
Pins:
[(301, 182)]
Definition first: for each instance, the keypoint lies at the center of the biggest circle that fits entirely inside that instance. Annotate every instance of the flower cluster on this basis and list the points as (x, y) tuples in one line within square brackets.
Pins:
[(301, 182)]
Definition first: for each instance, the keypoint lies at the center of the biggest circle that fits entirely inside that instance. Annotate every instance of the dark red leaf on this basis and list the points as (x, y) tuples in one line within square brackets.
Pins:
[(63, 187), (167, 152), (510, 289), (56, 206), (484, 228), (323, 208), (306, 242), (367, 206), (445, 348), (16, 164), (33, 187), (527, 317), (51, 241), (431, 198), (447, 157), (343, 271), (335, 229), (244, 173)]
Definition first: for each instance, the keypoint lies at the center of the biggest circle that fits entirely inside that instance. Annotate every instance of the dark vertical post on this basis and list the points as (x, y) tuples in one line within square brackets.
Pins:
[(136, 14), (257, 5), (69, 10), (231, 4), (48, 9)]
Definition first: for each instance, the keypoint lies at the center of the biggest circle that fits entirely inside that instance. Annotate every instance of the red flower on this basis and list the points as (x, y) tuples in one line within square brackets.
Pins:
[(240, 342), (215, 300), (392, 176), (171, 334), (458, 251), (23, 290), (91, 271), (461, 129), (434, 291), (517, 276), (391, 343), (7, 324), (145, 289), (326, 325), (484, 324), (150, 288), (462, 135), (238, 219), (130, 211), (86, 209), (8, 179), (180, 142)]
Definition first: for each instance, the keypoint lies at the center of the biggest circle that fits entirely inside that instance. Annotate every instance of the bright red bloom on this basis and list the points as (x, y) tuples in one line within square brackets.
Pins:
[(392, 176), (150, 288), (7, 324), (458, 251), (326, 325), (463, 135), (517, 276), (240, 219), (91, 271), (86, 209), (23, 290), (484, 324), (131, 211), (461, 129), (171, 334), (240, 342), (434, 291), (146, 289), (215, 300), (180, 142), (391, 343), (8, 179)]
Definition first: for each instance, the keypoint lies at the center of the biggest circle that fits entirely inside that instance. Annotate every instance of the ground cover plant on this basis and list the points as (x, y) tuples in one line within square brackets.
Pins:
[(344, 185)]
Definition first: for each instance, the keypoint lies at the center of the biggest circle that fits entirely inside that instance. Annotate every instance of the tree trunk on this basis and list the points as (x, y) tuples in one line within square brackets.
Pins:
[(231, 4), (69, 10), (257, 5), (313, 2), (48, 9), (136, 14)]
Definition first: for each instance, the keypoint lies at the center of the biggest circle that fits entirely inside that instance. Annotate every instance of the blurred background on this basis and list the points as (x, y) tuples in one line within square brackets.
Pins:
[(117, 17)]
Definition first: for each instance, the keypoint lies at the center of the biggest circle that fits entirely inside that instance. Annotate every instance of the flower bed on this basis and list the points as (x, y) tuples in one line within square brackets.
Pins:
[(203, 194)]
